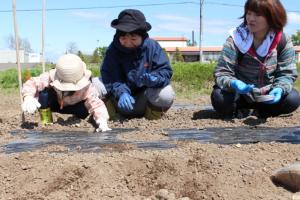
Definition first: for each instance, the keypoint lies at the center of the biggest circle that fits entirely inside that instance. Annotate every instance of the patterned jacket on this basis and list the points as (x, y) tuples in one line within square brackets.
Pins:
[(265, 73), (89, 94)]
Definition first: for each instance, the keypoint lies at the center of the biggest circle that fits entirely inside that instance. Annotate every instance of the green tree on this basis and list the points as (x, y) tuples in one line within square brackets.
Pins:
[(80, 54), (23, 43), (190, 43), (95, 56), (178, 56), (72, 47), (296, 38), (102, 51)]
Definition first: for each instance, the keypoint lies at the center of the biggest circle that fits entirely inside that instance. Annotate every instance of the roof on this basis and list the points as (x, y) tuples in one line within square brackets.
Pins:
[(205, 48), (194, 49), (170, 38)]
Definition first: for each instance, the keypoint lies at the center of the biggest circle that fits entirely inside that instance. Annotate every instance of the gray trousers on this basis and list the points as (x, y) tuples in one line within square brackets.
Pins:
[(160, 98)]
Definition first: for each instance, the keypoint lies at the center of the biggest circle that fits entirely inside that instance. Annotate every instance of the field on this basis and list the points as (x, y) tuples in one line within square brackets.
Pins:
[(190, 170)]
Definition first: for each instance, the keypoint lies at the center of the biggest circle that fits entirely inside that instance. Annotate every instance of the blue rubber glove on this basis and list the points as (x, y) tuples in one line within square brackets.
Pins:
[(149, 80), (241, 87), (277, 93), (126, 102)]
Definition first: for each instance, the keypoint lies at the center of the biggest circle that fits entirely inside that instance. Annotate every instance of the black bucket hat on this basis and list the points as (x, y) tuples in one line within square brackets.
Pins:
[(130, 20)]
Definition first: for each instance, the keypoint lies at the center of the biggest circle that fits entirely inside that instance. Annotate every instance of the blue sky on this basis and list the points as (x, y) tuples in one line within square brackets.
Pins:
[(89, 28)]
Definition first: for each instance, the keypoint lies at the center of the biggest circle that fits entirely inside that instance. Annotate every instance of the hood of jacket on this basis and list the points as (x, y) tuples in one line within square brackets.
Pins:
[(116, 43)]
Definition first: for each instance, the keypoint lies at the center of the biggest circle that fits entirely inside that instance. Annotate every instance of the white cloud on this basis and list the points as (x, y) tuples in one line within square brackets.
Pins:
[(293, 18), (219, 26), (176, 23), (183, 24), (89, 15), (101, 19), (173, 18)]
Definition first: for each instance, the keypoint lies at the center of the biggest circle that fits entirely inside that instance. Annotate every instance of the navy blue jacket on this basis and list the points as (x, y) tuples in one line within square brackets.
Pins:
[(122, 67)]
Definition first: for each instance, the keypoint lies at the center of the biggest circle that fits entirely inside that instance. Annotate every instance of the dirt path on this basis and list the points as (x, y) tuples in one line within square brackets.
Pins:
[(192, 170)]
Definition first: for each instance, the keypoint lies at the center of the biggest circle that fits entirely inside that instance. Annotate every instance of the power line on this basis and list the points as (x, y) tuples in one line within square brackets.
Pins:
[(103, 7), (135, 5), (238, 5), (223, 4)]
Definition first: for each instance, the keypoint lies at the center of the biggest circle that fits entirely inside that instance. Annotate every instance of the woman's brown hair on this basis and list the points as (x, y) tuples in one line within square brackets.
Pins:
[(273, 10)]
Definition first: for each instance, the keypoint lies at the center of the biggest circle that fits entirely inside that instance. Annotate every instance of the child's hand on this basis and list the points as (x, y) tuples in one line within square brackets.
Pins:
[(102, 126), (30, 104)]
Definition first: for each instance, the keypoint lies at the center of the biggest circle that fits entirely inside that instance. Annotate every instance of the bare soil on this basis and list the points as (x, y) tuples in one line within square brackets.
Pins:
[(190, 171)]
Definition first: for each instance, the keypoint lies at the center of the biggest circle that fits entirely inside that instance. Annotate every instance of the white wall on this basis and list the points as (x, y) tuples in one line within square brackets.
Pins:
[(172, 43), (34, 58), (9, 56)]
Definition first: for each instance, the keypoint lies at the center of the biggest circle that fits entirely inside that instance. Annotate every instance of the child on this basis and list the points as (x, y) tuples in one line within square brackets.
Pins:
[(68, 90)]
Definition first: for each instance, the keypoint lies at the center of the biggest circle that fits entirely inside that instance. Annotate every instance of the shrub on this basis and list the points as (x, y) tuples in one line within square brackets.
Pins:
[(95, 69), (9, 79), (188, 78), (297, 83)]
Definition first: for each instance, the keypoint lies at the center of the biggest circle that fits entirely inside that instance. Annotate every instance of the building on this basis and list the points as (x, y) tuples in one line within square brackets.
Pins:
[(172, 41), (9, 56), (189, 53), (192, 53), (34, 58)]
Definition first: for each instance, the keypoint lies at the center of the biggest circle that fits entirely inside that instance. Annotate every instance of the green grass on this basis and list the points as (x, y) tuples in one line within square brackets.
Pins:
[(9, 79), (193, 75), (192, 79), (95, 69), (297, 83), (189, 79)]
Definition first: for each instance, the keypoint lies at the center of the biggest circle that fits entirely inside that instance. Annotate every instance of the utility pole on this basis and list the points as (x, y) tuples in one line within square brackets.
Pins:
[(18, 54), (98, 50), (201, 32), (193, 38), (43, 35)]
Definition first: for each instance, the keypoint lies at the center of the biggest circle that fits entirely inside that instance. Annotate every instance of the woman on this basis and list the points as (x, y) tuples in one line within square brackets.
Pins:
[(135, 72), (257, 69)]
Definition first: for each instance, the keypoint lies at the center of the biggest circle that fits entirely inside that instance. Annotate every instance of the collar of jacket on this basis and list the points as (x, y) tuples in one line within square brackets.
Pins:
[(273, 45), (123, 49)]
